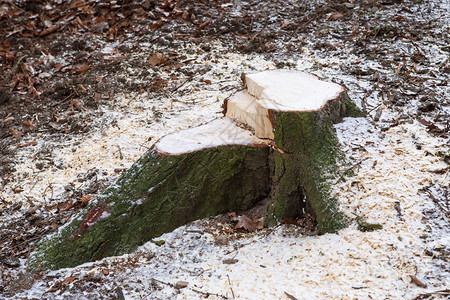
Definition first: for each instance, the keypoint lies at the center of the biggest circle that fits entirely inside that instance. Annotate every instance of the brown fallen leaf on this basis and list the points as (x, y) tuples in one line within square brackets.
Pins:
[(34, 91), (431, 126), (155, 59), (32, 210), (76, 104), (417, 281), (336, 16), (28, 124), (82, 88), (58, 67), (49, 30), (83, 201), (32, 143), (68, 280), (230, 261), (185, 16), (156, 25), (246, 223), (285, 24), (15, 133), (8, 119), (259, 222), (232, 216), (82, 69), (204, 24), (288, 220), (291, 297)]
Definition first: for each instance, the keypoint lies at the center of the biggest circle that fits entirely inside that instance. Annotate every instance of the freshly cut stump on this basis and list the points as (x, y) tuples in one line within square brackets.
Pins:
[(296, 111), (287, 153)]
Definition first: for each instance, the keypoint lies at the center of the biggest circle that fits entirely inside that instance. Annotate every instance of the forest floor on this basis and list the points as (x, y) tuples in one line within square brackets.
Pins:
[(88, 86)]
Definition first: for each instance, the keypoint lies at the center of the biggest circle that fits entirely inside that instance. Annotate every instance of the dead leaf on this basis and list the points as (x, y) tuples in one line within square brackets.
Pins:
[(32, 210), (285, 24), (245, 223), (177, 12), (82, 69), (76, 104), (185, 16), (82, 88), (15, 133), (32, 143), (28, 124), (58, 67), (232, 216), (105, 272), (417, 281), (180, 35), (288, 220), (49, 30), (83, 201), (155, 59), (8, 119), (259, 222), (68, 280), (400, 18), (156, 25), (336, 16), (230, 261), (430, 126), (204, 24), (34, 91), (291, 297)]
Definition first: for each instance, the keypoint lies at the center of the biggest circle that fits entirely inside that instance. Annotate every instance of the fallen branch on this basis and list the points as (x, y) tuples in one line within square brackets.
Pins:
[(445, 292)]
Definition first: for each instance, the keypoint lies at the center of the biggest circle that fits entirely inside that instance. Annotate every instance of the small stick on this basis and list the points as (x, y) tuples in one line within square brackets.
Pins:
[(183, 83), (120, 152), (421, 51), (45, 191), (229, 282), (15, 66)]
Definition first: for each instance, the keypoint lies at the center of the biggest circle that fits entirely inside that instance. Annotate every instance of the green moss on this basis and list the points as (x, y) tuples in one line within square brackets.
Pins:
[(352, 110), (365, 226), (156, 195), (306, 173)]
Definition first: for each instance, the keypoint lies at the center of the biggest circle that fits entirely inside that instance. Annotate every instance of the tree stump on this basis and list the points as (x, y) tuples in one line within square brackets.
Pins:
[(275, 142)]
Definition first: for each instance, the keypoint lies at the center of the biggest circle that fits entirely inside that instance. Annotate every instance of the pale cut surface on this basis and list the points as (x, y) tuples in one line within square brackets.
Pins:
[(279, 90), (219, 132), (285, 90), (244, 108)]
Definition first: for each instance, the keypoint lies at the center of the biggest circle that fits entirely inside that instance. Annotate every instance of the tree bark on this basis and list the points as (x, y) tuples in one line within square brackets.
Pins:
[(216, 168)]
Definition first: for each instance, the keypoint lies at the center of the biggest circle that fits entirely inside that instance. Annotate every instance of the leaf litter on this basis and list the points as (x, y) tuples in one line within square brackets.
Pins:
[(116, 88)]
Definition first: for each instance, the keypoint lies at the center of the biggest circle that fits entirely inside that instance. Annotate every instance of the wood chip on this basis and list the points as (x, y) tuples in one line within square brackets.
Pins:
[(417, 281)]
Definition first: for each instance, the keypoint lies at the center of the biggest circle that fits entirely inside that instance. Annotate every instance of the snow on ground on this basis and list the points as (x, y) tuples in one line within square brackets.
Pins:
[(275, 263)]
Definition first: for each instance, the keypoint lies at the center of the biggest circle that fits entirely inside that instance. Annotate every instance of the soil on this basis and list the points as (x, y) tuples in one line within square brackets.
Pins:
[(63, 63)]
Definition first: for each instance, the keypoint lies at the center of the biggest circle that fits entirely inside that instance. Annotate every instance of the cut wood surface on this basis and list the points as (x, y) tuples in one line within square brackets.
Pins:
[(276, 142), (284, 90), (217, 133), (278, 91)]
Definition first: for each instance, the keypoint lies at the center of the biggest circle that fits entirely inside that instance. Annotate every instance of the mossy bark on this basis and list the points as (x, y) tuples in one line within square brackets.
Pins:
[(156, 195), (303, 175)]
